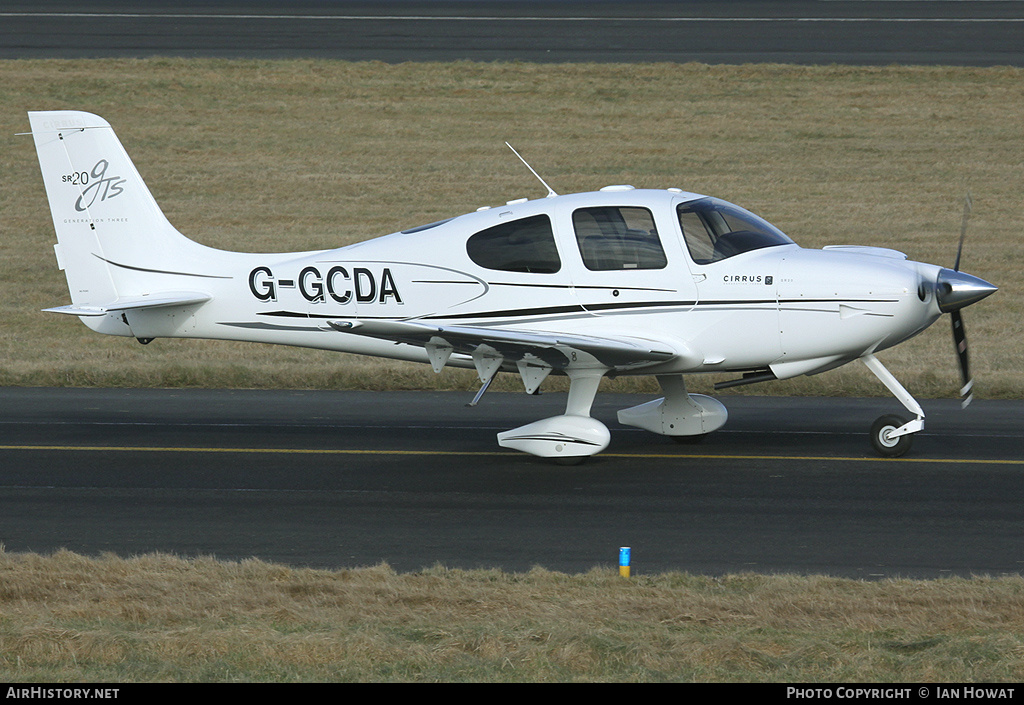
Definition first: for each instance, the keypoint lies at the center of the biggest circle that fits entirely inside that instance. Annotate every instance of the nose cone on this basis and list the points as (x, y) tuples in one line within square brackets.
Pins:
[(954, 290)]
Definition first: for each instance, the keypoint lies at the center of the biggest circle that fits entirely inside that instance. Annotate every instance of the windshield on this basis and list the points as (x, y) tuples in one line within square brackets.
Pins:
[(715, 230)]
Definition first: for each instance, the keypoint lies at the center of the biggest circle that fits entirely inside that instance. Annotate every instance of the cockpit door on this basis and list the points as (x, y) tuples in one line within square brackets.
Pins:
[(735, 257), (626, 259)]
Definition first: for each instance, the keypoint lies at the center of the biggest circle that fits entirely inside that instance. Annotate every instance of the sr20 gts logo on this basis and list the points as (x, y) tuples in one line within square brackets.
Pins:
[(340, 285), (94, 185)]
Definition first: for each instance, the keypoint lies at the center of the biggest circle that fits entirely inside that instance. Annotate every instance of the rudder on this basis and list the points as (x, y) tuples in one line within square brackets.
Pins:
[(109, 227)]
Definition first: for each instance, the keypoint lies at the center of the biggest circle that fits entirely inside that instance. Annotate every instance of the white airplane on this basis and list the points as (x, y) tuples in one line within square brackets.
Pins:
[(622, 281)]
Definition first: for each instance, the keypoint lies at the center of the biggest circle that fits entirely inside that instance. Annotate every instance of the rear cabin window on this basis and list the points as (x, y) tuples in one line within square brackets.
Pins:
[(525, 245), (615, 238)]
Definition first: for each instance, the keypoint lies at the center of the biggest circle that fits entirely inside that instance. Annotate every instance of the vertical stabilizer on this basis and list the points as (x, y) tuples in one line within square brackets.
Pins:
[(110, 230)]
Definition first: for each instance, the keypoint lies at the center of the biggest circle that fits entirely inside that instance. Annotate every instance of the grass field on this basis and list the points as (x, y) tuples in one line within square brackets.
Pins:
[(296, 155), (68, 618)]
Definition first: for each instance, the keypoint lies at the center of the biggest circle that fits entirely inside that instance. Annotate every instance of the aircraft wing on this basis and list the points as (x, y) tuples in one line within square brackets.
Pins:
[(490, 347)]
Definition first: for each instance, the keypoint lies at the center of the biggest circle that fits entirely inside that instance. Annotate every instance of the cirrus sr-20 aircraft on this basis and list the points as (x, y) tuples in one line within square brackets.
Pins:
[(621, 281)]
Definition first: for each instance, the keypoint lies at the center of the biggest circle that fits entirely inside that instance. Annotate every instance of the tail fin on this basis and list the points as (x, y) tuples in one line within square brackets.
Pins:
[(111, 234)]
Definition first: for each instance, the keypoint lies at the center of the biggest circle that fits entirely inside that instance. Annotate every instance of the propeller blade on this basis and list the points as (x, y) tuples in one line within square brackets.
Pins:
[(954, 290), (963, 231), (960, 342)]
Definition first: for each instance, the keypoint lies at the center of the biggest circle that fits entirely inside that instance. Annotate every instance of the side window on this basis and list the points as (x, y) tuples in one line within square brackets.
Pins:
[(698, 240), (526, 245), (614, 238)]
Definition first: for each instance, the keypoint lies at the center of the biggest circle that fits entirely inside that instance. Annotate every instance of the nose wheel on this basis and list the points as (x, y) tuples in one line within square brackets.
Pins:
[(884, 436)]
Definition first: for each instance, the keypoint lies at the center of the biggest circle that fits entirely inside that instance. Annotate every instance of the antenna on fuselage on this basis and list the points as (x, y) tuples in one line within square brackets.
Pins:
[(551, 191)]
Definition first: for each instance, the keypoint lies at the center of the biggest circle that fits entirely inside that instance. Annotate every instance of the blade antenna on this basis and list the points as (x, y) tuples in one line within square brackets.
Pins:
[(551, 191)]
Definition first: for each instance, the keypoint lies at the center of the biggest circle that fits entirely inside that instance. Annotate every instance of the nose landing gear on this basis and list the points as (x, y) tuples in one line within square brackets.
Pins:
[(891, 435)]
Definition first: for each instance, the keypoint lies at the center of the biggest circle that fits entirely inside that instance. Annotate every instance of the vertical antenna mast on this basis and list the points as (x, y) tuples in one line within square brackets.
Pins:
[(551, 191)]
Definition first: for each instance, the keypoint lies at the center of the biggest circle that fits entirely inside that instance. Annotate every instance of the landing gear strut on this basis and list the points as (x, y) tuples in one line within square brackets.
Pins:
[(890, 434), (574, 436)]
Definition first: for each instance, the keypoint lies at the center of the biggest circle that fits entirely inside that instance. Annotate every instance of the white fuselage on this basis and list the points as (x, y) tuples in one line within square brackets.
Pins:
[(792, 309)]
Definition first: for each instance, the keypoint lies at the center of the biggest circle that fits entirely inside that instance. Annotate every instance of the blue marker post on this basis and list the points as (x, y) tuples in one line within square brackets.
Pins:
[(624, 561)]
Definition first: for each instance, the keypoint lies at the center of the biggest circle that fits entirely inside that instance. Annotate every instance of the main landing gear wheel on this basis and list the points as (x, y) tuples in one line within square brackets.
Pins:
[(689, 440), (885, 444)]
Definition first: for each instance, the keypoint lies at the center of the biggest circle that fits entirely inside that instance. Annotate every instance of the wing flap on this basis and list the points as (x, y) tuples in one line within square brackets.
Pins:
[(542, 348)]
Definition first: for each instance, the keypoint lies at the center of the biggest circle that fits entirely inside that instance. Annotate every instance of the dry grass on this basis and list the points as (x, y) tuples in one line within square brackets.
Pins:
[(66, 618), (294, 155)]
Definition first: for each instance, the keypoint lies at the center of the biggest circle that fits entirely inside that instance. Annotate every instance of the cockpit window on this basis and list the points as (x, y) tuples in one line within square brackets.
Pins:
[(525, 245), (715, 230), (612, 238)]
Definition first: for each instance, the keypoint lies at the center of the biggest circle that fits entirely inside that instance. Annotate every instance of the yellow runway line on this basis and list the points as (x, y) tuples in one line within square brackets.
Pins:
[(626, 456)]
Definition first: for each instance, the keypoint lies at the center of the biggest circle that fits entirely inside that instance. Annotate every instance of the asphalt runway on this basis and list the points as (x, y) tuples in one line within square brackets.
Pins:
[(953, 32), (345, 479)]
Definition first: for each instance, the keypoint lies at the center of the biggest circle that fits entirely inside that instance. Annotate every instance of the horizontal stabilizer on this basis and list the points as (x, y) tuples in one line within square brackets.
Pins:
[(128, 303)]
